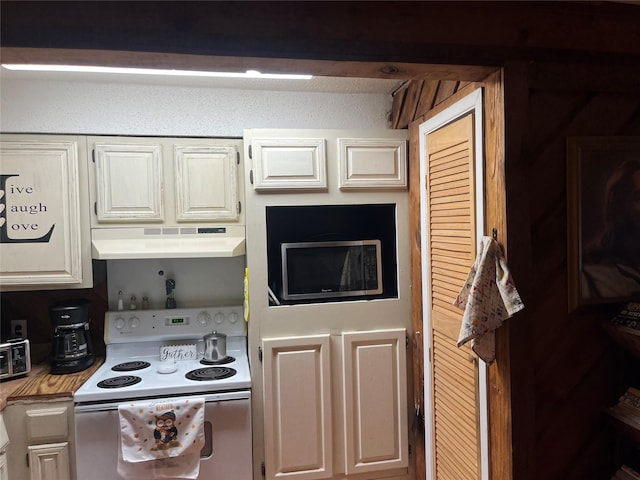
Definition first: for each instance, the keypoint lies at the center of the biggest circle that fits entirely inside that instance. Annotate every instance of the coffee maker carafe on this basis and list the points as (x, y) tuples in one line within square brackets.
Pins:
[(72, 349)]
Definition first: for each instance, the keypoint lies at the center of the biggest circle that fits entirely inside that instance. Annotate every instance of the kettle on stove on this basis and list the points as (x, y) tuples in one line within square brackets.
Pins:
[(72, 348)]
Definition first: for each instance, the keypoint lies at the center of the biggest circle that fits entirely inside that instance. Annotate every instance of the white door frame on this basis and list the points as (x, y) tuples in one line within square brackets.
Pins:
[(470, 103)]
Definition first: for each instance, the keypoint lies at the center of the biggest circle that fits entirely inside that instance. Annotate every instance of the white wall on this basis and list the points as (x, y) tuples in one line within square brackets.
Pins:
[(38, 106)]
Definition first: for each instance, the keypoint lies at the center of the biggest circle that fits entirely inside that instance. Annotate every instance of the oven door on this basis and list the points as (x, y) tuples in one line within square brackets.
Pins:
[(227, 454)]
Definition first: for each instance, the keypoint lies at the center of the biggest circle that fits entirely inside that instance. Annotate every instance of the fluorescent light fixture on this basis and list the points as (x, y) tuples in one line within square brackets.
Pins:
[(153, 71)]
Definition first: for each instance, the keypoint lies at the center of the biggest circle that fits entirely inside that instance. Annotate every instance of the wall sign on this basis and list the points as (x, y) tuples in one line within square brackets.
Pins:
[(179, 352), (18, 201)]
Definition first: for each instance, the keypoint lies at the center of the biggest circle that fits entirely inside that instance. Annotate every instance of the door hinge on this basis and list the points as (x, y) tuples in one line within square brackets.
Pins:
[(250, 152), (260, 354), (263, 470), (251, 177)]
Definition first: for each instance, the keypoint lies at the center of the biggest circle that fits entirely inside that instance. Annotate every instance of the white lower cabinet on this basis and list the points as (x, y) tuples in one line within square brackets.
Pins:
[(41, 446), (4, 469), (375, 375), (49, 461), (4, 441), (297, 407), (335, 405)]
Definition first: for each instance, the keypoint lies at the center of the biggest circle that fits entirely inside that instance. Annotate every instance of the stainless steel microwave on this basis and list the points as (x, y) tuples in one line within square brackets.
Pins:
[(335, 269)]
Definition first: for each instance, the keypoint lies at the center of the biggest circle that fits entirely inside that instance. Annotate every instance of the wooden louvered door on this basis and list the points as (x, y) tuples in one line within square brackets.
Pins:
[(450, 252)]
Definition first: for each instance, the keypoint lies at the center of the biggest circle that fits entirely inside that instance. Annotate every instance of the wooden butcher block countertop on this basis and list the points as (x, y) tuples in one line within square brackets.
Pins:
[(41, 385)]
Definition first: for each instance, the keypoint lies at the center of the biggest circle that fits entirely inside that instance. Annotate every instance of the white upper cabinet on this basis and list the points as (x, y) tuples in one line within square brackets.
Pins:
[(165, 181), (321, 160), (377, 163), (206, 182), (44, 217), (128, 181), (289, 163)]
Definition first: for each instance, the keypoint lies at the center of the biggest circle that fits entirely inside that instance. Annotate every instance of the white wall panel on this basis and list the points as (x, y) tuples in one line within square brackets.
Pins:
[(37, 106)]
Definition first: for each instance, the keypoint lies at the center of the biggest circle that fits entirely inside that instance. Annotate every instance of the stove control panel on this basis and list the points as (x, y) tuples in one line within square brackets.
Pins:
[(184, 323)]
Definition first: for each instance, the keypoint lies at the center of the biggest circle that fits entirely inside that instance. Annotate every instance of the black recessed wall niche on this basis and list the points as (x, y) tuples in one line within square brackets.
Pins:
[(326, 223)]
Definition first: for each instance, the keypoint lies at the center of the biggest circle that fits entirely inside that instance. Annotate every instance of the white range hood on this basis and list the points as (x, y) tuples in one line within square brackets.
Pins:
[(167, 242)]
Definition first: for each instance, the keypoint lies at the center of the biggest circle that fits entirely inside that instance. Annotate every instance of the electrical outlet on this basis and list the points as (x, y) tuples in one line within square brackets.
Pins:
[(19, 328)]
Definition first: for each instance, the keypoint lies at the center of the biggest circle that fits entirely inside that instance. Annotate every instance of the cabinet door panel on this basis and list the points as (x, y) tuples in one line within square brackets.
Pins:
[(375, 400), (129, 182), (297, 407), (206, 183), (4, 471), (41, 216), (49, 461), (290, 164), (375, 163)]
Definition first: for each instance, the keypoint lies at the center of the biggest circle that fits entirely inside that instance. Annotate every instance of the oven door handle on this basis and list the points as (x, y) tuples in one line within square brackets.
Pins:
[(209, 397)]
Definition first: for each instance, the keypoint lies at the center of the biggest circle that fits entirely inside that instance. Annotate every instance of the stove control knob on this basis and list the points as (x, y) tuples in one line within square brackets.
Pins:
[(219, 318), (134, 322), (204, 318), (233, 317), (119, 323)]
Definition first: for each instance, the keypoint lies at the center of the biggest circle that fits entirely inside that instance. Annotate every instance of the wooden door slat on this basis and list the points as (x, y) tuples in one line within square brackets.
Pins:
[(451, 249)]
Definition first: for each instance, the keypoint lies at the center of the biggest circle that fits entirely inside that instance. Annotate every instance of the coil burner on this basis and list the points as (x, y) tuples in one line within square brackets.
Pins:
[(130, 366), (210, 373), (222, 361), (118, 382)]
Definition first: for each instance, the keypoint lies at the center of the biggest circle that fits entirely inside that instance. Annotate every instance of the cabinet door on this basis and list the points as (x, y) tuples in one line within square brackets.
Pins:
[(129, 182), (206, 183), (4, 470), (375, 403), (289, 164), (44, 221), (373, 163), (49, 461), (297, 407)]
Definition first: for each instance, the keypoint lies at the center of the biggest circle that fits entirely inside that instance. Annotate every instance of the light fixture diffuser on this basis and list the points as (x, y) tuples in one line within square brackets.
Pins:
[(153, 71)]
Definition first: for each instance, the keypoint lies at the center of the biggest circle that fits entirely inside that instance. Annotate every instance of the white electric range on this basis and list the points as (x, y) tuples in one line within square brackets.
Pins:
[(135, 370)]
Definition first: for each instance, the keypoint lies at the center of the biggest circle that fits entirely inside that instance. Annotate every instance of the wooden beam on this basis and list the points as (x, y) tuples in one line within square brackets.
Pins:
[(466, 33), (417, 434), (516, 414), (585, 78), (327, 68)]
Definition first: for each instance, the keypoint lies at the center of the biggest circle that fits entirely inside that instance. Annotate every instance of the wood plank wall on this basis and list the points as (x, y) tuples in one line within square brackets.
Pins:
[(564, 369)]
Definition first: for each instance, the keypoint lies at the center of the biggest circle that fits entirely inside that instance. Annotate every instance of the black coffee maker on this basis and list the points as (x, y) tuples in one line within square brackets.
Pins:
[(72, 349)]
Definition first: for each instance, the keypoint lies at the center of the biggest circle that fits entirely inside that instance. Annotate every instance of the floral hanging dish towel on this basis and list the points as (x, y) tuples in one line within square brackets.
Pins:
[(488, 298)]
